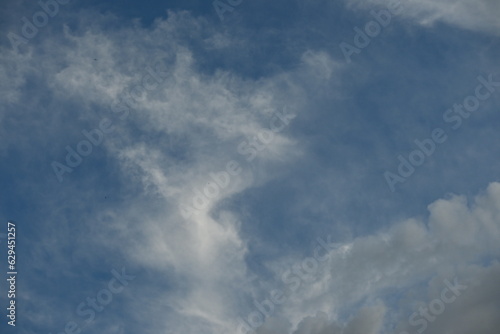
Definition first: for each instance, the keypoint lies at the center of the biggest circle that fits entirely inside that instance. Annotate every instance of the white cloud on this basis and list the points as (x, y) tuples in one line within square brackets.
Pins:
[(479, 15), (412, 259), (208, 115)]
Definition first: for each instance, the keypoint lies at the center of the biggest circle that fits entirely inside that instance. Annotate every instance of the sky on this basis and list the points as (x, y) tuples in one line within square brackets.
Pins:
[(250, 166)]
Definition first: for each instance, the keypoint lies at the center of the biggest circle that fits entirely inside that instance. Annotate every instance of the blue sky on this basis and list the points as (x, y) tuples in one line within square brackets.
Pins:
[(218, 162)]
